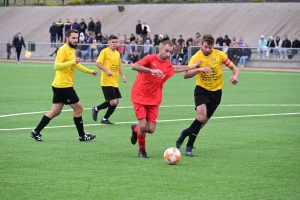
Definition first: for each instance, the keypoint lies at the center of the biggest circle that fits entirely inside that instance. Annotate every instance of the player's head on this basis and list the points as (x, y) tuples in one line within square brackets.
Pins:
[(113, 42), (165, 49), (207, 44), (72, 37)]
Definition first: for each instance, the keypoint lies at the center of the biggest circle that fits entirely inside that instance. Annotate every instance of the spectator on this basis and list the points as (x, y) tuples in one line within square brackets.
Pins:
[(82, 26), (270, 45), (97, 30), (127, 53), (17, 43), (246, 56), (219, 40), (147, 48), (233, 41), (166, 37), (60, 29), (91, 26), (286, 44), (189, 39), (140, 50), (180, 40), (197, 39), (145, 30), (132, 37), (231, 51), (184, 55), (237, 55), (139, 38), (176, 52), (138, 28), (104, 39), (53, 31), (121, 48), (148, 37), (262, 47), (125, 38), (277, 44), (295, 44), (93, 49), (173, 39), (225, 47), (8, 49), (67, 25), (156, 40), (227, 40), (85, 50), (81, 37), (75, 25), (133, 46), (241, 42), (134, 57)]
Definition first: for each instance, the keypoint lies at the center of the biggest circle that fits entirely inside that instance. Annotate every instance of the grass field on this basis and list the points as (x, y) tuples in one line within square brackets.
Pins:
[(250, 149)]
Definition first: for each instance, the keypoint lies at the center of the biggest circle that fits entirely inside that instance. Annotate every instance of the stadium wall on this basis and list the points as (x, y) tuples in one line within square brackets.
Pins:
[(249, 20)]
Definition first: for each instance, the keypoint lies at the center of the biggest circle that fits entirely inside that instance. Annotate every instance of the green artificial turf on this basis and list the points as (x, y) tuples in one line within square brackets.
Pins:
[(248, 150)]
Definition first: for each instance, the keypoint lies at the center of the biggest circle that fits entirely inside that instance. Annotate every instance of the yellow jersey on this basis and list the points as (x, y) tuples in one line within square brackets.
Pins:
[(215, 80), (64, 65), (112, 61)]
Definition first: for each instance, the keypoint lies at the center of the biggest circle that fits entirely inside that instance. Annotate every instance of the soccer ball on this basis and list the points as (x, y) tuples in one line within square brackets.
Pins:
[(172, 155)]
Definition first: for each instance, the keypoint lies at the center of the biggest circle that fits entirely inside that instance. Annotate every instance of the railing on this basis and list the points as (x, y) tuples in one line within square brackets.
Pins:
[(41, 51), (73, 2)]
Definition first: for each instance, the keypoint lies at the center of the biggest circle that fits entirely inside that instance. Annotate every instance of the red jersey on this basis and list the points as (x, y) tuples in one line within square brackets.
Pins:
[(147, 89)]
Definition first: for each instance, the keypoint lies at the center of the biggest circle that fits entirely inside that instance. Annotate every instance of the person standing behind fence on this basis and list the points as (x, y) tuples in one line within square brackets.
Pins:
[(67, 25), (53, 31), (138, 28), (17, 43), (82, 26), (60, 29), (8, 49), (91, 26), (75, 25)]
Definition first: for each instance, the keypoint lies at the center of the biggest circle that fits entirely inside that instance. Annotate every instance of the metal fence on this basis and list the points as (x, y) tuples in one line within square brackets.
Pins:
[(43, 52), (75, 2)]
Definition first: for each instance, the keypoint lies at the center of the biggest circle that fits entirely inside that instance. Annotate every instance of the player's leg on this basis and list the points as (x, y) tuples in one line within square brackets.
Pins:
[(55, 111), (113, 96)]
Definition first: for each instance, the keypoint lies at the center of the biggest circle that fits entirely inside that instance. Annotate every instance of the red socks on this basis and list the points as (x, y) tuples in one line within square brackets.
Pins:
[(141, 139)]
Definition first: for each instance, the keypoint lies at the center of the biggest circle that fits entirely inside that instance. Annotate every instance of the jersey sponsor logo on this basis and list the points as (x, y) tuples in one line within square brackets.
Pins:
[(154, 64)]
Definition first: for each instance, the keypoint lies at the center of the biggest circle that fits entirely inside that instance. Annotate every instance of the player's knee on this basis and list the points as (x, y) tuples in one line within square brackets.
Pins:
[(143, 129), (113, 102), (150, 130)]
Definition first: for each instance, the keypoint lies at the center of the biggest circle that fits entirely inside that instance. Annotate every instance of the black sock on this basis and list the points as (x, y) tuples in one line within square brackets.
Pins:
[(193, 132), (79, 125), (110, 111), (103, 105), (44, 121)]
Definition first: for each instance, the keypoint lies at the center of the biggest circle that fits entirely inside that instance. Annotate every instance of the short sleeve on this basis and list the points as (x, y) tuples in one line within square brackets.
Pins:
[(145, 61)]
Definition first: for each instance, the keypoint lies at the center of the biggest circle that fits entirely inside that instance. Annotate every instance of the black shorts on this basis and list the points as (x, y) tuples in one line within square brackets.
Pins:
[(111, 93), (64, 95), (212, 99)]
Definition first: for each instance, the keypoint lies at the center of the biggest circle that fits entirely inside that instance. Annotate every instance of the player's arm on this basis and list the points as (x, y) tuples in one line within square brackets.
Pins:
[(183, 68), (235, 77), (140, 68), (103, 68), (84, 69), (195, 69), (59, 63)]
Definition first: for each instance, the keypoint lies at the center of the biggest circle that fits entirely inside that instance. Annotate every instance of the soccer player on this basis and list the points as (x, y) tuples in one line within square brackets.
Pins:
[(109, 61), (208, 91), (146, 93), (62, 86)]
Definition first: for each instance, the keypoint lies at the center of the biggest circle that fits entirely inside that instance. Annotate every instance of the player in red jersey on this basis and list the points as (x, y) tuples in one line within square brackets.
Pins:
[(146, 93)]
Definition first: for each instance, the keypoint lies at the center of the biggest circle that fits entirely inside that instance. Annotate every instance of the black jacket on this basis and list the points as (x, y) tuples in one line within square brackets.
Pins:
[(53, 30), (138, 29), (286, 44), (82, 27), (247, 52), (91, 26), (296, 44), (18, 42), (97, 28), (272, 44)]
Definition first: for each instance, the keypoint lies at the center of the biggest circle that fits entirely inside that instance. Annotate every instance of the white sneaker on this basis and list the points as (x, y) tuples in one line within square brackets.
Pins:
[(18, 63)]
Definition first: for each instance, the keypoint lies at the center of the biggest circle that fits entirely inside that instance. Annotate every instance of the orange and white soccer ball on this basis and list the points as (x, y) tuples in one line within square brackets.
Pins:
[(172, 155)]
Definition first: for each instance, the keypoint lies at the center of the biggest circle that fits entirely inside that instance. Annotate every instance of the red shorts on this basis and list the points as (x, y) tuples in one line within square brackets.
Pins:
[(146, 111)]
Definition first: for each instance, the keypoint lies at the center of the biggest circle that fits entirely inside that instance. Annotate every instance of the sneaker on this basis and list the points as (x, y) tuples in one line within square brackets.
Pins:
[(18, 63), (94, 114), (181, 138), (106, 122), (143, 154), (36, 136), (87, 137), (189, 151), (133, 136)]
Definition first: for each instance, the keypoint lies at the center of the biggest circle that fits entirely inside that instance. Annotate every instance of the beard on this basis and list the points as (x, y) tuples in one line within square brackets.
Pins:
[(72, 45)]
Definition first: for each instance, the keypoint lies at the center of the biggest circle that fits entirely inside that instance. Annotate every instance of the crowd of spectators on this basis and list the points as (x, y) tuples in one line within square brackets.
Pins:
[(135, 46)]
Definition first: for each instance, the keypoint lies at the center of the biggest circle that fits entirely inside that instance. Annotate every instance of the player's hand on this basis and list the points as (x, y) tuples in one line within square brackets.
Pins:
[(234, 80), (77, 60), (206, 70), (124, 79), (108, 73), (95, 72), (157, 73), (196, 64)]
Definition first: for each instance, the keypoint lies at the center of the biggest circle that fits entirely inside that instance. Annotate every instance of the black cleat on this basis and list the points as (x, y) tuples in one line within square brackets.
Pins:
[(87, 137), (134, 135), (181, 138), (143, 154), (36, 136), (94, 114), (106, 122), (189, 151)]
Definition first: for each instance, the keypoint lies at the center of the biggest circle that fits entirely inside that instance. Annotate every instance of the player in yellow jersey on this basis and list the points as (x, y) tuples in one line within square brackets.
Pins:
[(62, 86), (109, 61), (208, 91)]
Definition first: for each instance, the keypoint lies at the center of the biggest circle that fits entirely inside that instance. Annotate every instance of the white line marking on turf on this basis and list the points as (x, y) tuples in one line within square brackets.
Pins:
[(170, 106), (159, 121)]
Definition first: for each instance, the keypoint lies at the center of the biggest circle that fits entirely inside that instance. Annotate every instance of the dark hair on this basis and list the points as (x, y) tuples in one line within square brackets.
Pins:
[(112, 37), (208, 38), (68, 33)]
